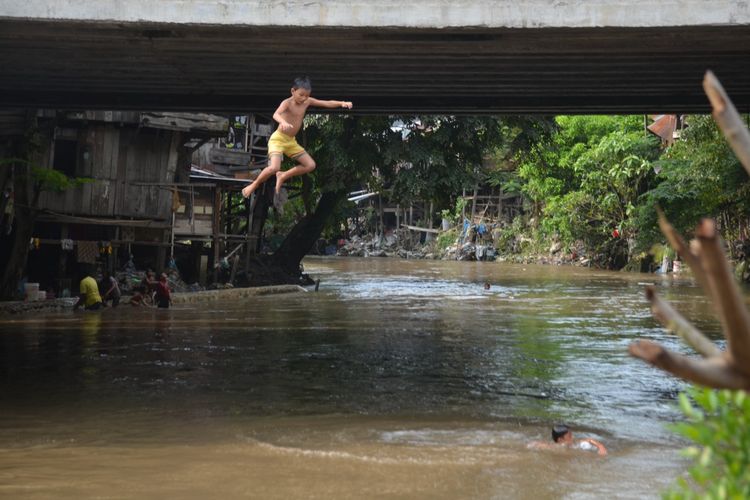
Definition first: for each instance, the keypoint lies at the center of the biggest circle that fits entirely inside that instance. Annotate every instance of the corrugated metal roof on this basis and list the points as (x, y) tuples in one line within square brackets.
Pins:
[(664, 126)]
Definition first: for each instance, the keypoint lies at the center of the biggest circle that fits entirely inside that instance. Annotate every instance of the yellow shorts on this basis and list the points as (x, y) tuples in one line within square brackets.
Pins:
[(280, 143)]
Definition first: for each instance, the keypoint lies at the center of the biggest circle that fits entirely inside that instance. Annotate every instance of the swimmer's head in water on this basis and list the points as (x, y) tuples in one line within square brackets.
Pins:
[(559, 432)]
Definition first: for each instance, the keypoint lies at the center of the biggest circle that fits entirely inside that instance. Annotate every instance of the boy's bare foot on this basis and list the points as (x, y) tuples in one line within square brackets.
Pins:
[(279, 181), (248, 190)]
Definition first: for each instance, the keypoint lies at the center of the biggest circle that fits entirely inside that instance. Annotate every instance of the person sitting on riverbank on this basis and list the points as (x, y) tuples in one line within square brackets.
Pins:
[(562, 436), (149, 282), (143, 292), (111, 289), (137, 299), (89, 296), (162, 297)]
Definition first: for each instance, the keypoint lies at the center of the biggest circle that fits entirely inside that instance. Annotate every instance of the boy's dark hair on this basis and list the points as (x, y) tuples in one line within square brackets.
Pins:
[(302, 82), (559, 431)]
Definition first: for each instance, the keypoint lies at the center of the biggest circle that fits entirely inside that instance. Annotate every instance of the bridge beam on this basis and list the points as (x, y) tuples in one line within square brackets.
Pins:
[(423, 56), (392, 13)]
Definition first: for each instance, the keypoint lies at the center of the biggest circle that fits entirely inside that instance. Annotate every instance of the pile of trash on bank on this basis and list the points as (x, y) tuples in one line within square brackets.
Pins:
[(473, 242), (397, 243), (467, 242)]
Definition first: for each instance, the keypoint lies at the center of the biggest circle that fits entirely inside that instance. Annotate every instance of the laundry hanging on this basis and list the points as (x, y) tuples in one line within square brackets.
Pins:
[(87, 251)]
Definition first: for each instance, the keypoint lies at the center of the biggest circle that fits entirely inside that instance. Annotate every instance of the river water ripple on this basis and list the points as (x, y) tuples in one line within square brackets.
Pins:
[(401, 379)]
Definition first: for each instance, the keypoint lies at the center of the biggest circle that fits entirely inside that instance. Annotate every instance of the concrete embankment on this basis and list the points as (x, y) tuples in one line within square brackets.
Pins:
[(233, 293), (61, 304)]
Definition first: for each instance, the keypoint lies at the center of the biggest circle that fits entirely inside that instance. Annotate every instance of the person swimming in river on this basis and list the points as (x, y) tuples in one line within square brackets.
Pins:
[(562, 436), (289, 116)]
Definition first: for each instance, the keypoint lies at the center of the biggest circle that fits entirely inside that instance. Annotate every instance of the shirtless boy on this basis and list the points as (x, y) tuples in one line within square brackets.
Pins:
[(562, 437), (289, 115)]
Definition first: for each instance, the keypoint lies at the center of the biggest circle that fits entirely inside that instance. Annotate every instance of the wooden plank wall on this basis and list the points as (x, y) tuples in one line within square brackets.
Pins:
[(202, 225), (147, 161), (44, 158), (122, 159)]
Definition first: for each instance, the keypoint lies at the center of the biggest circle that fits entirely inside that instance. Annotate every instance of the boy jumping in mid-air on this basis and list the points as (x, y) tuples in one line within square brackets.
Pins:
[(290, 114)]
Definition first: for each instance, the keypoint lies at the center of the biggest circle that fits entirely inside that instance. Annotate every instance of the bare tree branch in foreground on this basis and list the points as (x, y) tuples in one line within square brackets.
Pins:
[(728, 119), (706, 258)]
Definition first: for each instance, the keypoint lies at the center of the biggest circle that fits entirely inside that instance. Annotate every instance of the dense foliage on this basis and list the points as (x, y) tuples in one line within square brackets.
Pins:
[(415, 158), (719, 426), (18, 168), (411, 158), (586, 181), (348, 151), (699, 176), (601, 173), (439, 156), (591, 182)]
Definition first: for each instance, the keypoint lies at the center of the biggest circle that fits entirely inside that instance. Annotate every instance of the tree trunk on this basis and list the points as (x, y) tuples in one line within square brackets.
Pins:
[(303, 236), (15, 246), (259, 215)]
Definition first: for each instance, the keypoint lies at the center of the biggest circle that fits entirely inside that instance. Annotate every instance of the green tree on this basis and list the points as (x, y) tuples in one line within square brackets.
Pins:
[(28, 182), (440, 156), (519, 137), (429, 158), (699, 176), (347, 150), (586, 181)]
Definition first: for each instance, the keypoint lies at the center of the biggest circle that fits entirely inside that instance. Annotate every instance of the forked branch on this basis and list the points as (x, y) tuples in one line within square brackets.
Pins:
[(725, 295), (714, 372), (676, 323)]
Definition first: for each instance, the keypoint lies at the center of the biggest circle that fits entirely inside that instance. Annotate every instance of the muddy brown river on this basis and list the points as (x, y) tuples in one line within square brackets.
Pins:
[(397, 379)]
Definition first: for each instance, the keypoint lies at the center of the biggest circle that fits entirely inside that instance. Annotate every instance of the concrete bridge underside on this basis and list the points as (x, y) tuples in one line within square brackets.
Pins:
[(386, 60)]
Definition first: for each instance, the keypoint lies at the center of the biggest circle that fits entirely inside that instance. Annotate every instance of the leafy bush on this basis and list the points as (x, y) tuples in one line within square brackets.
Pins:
[(719, 425), (454, 217), (446, 239), (504, 242), (47, 179), (589, 179)]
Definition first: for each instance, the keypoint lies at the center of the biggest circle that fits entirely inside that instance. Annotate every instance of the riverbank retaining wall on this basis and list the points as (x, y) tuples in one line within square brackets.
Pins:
[(61, 304)]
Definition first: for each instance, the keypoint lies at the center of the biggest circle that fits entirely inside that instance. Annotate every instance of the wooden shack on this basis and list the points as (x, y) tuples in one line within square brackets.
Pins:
[(134, 163)]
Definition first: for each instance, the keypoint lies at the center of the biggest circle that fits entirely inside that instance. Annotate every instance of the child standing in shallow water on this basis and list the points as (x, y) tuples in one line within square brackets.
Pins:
[(162, 297), (289, 115)]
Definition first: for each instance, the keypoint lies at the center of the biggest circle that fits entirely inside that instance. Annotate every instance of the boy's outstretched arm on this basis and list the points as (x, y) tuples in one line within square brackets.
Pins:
[(330, 104)]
